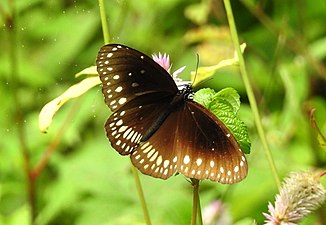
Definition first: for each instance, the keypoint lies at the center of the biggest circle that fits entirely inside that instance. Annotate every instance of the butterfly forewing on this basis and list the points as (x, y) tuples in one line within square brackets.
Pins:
[(128, 75)]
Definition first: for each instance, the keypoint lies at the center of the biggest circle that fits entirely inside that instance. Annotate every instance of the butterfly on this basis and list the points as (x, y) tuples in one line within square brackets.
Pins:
[(158, 124)]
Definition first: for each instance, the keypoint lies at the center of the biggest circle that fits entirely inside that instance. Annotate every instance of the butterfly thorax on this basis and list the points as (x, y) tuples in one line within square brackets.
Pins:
[(184, 94)]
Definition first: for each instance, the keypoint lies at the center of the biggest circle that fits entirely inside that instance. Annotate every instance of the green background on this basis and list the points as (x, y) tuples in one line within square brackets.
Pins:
[(44, 43)]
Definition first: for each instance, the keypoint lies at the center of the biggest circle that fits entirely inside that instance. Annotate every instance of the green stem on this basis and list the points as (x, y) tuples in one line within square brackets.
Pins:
[(141, 195), (251, 97), (105, 27), (106, 35), (196, 210), (200, 218), (11, 25)]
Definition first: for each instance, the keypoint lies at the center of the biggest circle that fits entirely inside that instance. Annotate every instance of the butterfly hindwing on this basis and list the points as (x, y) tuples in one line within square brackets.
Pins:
[(215, 154), (126, 126), (190, 142), (157, 156)]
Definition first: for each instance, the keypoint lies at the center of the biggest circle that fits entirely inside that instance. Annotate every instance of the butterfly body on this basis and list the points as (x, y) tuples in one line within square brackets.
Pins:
[(159, 125)]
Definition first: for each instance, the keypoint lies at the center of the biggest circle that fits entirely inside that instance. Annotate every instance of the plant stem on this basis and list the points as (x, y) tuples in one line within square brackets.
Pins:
[(11, 23), (106, 36), (41, 164), (141, 195), (200, 218), (251, 96), (196, 210), (105, 27)]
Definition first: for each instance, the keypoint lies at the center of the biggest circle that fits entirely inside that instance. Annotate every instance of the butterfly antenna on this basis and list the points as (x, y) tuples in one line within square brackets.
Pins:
[(196, 72), (197, 65)]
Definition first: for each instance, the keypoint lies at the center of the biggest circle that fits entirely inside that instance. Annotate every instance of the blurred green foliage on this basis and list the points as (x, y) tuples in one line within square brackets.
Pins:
[(44, 43)]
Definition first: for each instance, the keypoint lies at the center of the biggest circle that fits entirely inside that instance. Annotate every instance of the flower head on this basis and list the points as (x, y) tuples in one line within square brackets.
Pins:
[(164, 61), (301, 193)]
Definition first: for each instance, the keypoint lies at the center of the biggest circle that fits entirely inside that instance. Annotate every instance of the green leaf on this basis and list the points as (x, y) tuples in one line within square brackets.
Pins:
[(225, 105)]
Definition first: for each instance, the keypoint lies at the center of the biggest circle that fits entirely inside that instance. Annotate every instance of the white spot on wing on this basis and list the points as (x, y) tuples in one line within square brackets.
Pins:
[(199, 161), (159, 160), (122, 101), (147, 149), (166, 163), (154, 156), (144, 145), (186, 159), (113, 102), (130, 135), (118, 89), (125, 134), (134, 84), (119, 123)]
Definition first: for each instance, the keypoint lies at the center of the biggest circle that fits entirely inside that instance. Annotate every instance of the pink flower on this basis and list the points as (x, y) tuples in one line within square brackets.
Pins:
[(164, 61)]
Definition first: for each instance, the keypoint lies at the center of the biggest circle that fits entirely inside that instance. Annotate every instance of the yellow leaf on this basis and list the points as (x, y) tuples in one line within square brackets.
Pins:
[(206, 72), (48, 111)]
